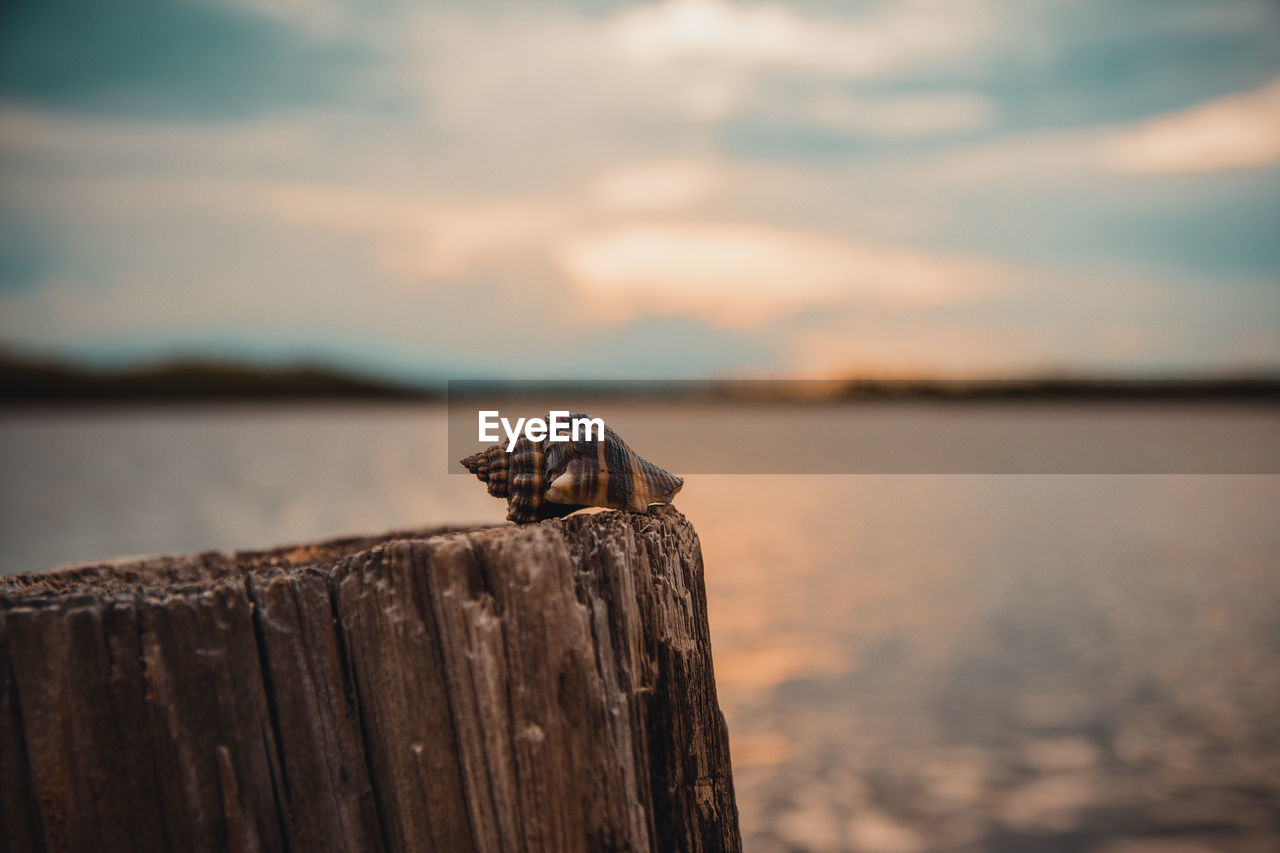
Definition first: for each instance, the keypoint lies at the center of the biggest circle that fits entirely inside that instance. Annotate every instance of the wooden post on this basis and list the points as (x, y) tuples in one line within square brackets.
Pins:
[(537, 688)]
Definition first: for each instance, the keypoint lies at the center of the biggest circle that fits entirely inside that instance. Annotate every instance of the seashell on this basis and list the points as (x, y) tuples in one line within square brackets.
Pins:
[(548, 479)]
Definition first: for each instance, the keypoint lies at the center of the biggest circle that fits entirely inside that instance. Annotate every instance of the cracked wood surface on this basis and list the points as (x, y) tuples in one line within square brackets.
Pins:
[(537, 688)]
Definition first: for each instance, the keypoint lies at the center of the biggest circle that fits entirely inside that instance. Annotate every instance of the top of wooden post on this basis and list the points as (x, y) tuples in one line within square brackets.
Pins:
[(541, 687)]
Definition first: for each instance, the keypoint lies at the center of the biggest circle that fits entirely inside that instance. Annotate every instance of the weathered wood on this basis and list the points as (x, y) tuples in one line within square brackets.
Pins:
[(537, 688)]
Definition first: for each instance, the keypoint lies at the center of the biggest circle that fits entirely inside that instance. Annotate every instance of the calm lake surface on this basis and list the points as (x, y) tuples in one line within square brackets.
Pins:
[(907, 662)]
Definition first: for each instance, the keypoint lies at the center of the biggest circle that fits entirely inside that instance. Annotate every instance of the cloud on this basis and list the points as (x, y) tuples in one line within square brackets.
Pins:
[(730, 273), (1047, 320), (1232, 133), (657, 185), (1235, 132), (742, 274), (423, 235), (834, 109), (648, 79), (96, 144), (759, 35)]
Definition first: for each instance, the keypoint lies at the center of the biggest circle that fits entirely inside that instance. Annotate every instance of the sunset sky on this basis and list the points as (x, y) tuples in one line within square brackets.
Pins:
[(671, 189)]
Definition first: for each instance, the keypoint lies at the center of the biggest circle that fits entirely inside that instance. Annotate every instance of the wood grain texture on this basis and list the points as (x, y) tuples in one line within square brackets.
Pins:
[(539, 688)]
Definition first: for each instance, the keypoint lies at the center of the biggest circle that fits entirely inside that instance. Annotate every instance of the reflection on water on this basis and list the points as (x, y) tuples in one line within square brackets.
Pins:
[(994, 663), (907, 663)]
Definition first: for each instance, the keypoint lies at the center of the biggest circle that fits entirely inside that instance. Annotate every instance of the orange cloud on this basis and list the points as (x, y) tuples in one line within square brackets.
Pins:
[(741, 274), (1236, 132), (653, 186)]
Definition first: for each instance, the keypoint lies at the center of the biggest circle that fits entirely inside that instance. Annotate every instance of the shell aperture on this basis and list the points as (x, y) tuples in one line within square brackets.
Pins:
[(548, 479)]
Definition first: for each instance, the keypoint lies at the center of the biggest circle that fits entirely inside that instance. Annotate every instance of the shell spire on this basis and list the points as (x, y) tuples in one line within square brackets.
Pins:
[(490, 467), (548, 479)]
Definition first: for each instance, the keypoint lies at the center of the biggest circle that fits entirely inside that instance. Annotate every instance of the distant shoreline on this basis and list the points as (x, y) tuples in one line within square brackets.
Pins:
[(28, 381)]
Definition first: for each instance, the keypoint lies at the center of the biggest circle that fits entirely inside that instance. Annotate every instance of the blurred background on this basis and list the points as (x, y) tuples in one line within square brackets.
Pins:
[(243, 245)]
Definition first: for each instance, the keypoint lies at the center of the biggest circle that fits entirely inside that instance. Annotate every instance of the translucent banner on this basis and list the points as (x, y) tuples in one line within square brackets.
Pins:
[(836, 427)]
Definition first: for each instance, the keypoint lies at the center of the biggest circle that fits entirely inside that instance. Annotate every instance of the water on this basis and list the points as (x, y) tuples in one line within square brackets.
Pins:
[(907, 663)]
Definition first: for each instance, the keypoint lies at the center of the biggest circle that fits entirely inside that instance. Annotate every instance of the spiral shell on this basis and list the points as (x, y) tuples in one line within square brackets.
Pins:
[(548, 479)]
